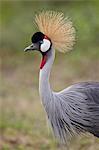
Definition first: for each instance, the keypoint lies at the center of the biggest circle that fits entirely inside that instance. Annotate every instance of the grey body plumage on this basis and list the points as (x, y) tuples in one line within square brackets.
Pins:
[(79, 109)]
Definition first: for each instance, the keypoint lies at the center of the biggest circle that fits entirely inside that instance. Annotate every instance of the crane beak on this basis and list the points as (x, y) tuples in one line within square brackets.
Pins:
[(31, 47)]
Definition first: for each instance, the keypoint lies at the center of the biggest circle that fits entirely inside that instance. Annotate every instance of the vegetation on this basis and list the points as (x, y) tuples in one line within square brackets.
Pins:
[(22, 118)]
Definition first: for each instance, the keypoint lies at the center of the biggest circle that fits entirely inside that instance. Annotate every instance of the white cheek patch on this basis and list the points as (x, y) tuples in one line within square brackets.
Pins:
[(46, 45)]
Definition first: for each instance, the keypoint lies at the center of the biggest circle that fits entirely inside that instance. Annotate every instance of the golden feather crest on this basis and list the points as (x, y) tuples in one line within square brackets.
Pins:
[(58, 28)]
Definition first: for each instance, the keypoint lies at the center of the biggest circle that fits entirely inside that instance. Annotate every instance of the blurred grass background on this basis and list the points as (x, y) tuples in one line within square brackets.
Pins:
[(22, 118)]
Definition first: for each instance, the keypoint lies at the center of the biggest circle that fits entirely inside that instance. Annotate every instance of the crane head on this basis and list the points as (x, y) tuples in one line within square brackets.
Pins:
[(55, 29), (41, 43)]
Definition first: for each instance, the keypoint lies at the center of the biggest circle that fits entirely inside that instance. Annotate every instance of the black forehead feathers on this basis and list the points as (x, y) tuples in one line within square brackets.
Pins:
[(38, 36)]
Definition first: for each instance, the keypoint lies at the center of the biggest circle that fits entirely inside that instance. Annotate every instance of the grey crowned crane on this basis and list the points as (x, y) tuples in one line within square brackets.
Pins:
[(76, 108)]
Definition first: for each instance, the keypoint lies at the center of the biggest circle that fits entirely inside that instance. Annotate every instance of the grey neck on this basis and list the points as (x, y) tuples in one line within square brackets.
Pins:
[(44, 85)]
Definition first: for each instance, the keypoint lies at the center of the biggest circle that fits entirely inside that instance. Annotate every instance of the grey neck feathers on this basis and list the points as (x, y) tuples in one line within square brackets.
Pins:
[(44, 85)]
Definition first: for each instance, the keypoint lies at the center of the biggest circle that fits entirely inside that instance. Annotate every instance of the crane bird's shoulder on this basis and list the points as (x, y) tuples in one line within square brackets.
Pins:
[(87, 90), (76, 110)]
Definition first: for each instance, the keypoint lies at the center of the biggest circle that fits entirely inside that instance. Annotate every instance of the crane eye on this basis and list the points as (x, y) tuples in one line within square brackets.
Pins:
[(45, 45), (41, 42)]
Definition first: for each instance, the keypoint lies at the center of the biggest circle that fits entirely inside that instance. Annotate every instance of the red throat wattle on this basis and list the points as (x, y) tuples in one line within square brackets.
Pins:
[(44, 59)]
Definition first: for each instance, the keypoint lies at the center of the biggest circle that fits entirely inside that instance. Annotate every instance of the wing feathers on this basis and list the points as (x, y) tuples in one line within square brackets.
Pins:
[(76, 109)]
